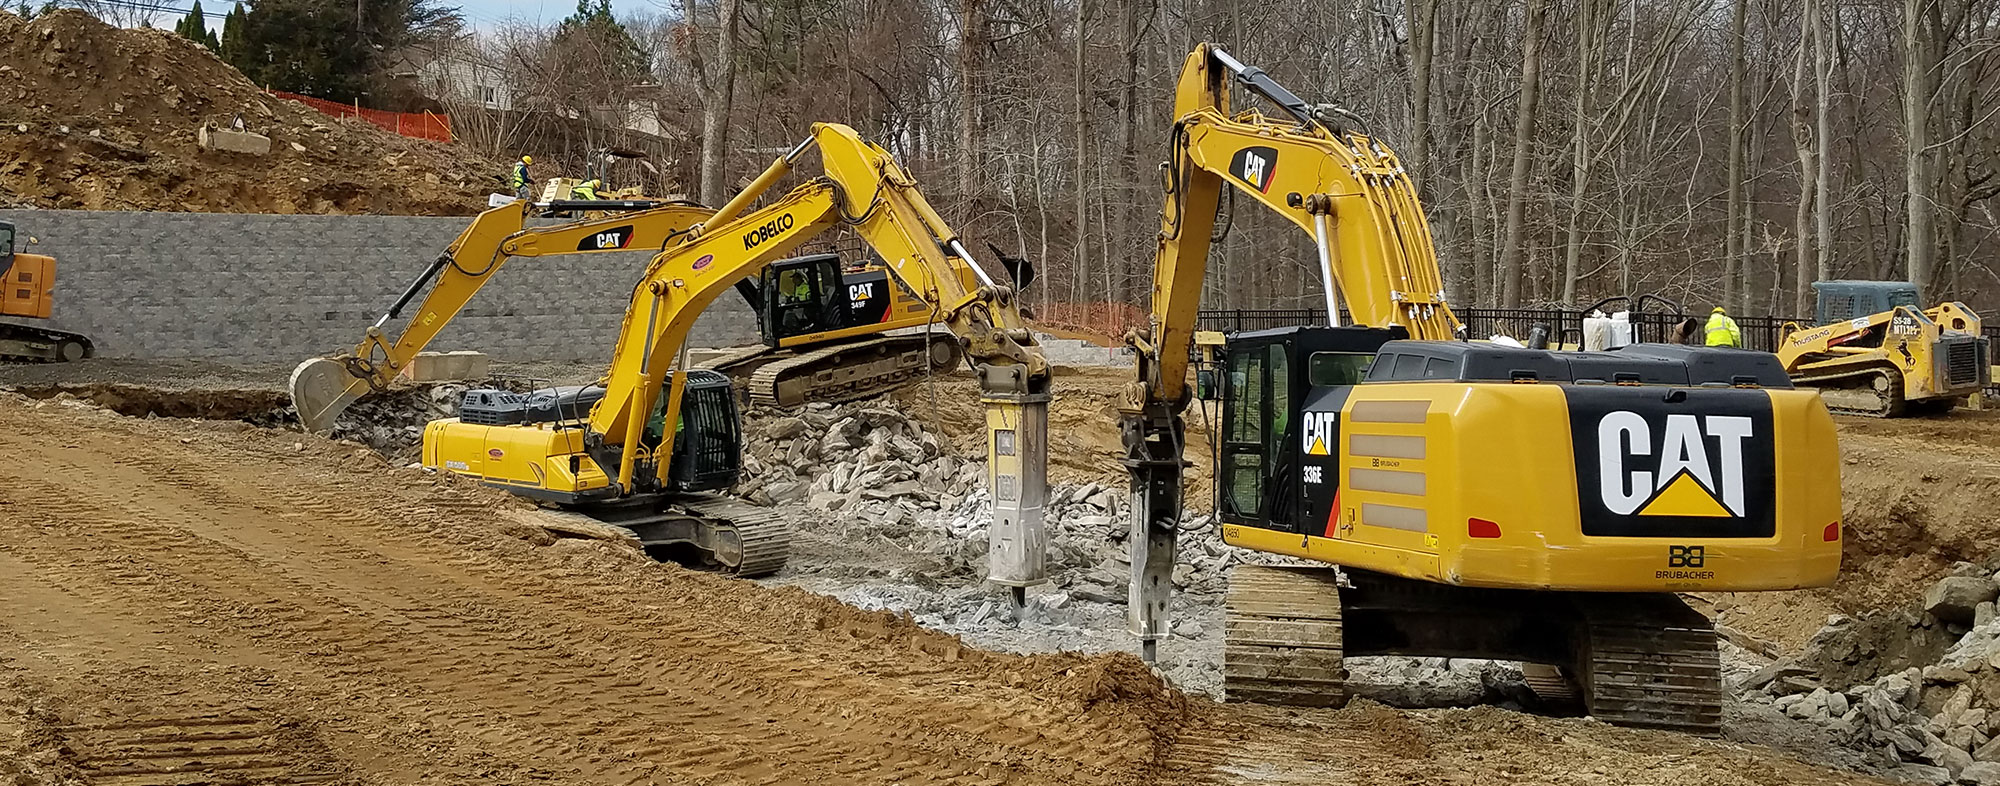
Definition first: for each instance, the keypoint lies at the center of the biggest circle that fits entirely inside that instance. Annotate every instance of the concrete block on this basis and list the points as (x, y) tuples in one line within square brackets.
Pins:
[(232, 141)]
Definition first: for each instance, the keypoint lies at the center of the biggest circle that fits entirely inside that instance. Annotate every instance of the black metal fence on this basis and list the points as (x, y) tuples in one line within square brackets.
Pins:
[(1563, 325)]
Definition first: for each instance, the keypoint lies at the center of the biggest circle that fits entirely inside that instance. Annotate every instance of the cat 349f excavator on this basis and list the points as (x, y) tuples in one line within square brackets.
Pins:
[(646, 448), (1481, 500)]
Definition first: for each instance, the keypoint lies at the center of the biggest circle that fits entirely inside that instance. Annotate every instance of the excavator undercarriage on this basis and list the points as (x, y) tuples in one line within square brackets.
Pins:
[(839, 372), (1633, 659)]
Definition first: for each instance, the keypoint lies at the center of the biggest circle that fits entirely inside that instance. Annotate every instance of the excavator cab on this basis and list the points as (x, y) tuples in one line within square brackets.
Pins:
[(1270, 376), (808, 295)]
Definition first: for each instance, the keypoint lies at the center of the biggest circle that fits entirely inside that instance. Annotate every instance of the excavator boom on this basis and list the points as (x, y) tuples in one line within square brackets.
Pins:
[(322, 388)]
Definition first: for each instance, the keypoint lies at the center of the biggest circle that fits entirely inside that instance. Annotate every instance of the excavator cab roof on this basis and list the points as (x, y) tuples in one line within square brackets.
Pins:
[(1637, 364)]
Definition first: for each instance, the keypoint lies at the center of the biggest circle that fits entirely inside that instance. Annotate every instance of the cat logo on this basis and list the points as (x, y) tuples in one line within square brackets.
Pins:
[(1678, 477), (1319, 432), (608, 240), (1698, 466), (1255, 166)]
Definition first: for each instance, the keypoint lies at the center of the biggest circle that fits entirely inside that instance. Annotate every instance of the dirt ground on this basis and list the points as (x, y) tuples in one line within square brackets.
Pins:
[(191, 598), (94, 117)]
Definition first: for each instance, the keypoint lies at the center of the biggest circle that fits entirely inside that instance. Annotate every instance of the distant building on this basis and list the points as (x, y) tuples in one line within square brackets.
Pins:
[(457, 74)]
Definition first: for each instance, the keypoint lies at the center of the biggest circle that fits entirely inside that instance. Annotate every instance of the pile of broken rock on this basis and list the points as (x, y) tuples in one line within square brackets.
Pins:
[(1932, 712)]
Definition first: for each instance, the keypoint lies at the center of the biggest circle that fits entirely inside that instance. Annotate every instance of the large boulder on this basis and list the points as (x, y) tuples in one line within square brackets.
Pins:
[(1956, 598)]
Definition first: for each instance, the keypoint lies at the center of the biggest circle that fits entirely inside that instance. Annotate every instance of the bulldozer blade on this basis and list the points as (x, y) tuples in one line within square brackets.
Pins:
[(321, 390)]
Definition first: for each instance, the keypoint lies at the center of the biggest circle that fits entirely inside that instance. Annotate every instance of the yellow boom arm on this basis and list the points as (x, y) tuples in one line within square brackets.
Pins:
[(322, 388), (865, 190), (1349, 192)]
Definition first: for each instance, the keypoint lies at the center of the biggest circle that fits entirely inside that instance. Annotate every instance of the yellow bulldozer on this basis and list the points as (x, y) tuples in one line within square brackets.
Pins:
[(1875, 353)]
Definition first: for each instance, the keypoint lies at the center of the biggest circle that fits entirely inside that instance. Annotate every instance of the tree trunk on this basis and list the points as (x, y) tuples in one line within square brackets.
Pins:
[(1917, 199), (1423, 46), (971, 75), (1735, 255), (1802, 141), (1080, 172), (1511, 250), (718, 92), (1588, 52), (1822, 100)]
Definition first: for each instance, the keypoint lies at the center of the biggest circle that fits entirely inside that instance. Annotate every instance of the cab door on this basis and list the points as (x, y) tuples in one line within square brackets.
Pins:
[(1258, 485)]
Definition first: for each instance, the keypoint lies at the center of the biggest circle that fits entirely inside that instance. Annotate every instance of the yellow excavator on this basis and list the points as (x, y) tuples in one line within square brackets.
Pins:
[(1875, 353), (646, 447), (1480, 500), (825, 325)]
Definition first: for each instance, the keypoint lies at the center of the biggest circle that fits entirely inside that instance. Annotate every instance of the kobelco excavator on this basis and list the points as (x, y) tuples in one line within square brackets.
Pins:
[(1480, 500), (646, 448), (826, 327)]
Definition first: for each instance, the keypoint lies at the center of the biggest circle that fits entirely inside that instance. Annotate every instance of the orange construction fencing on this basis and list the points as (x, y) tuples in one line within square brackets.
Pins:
[(1099, 322), (416, 125)]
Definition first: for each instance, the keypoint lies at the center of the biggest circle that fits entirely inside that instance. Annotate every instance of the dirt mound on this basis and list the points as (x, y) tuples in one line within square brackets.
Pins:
[(95, 117), (1917, 497)]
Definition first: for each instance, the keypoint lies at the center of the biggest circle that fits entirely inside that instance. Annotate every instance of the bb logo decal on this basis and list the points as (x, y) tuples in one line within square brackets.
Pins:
[(1255, 166), (1684, 556), (1700, 466), (1319, 431)]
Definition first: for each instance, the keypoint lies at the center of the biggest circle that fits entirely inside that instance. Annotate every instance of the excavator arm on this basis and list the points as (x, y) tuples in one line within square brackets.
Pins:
[(862, 189), (322, 388), (1349, 192)]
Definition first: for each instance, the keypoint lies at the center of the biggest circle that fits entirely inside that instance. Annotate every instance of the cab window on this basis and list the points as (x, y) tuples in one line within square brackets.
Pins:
[(1327, 369)]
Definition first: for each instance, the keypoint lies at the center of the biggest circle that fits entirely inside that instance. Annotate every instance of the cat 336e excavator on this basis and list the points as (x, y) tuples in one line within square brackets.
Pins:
[(647, 447), (1481, 500)]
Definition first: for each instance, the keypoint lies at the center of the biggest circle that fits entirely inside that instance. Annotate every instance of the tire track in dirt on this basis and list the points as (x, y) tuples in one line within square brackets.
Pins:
[(530, 675)]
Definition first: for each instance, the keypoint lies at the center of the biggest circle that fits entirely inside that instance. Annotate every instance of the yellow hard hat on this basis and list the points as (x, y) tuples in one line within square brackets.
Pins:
[(1718, 310), (527, 160)]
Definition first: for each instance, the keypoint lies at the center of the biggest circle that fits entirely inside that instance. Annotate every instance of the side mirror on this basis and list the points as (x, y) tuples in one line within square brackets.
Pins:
[(1204, 385)]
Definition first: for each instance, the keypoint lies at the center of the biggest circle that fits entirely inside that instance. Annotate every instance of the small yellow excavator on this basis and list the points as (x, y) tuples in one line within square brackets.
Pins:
[(646, 448), (28, 290), (1875, 353), (1480, 500)]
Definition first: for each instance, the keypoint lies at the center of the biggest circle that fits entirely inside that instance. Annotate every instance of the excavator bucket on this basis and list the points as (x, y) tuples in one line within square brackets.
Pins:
[(321, 390)]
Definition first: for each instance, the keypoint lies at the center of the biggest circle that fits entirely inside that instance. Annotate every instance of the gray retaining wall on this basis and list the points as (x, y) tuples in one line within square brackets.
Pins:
[(266, 288)]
